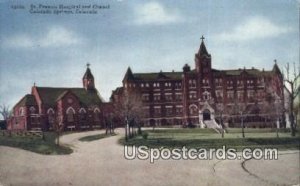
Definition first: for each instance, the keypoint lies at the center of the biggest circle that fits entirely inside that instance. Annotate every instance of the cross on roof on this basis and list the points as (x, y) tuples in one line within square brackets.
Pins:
[(202, 38), (88, 65)]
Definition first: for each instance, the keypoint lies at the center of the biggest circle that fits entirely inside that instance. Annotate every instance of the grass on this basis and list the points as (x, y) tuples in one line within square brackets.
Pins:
[(208, 138), (96, 137), (36, 144)]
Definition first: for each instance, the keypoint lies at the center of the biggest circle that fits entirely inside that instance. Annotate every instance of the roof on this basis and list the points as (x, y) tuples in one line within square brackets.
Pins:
[(88, 74), (202, 50), (238, 72), (128, 75), (158, 76), (49, 95), (27, 100)]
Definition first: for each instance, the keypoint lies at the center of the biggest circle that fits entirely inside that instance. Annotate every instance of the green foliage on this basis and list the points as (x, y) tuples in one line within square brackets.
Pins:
[(199, 138), (36, 144), (96, 137), (145, 135)]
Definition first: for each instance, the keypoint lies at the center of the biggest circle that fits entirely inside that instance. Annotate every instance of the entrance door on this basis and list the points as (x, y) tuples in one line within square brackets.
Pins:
[(206, 115)]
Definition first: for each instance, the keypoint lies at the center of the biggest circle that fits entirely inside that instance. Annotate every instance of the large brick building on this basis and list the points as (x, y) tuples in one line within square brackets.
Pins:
[(196, 96), (75, 108)]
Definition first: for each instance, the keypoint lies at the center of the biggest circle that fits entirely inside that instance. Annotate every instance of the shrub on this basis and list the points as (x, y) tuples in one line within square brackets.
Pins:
[(145, 135)]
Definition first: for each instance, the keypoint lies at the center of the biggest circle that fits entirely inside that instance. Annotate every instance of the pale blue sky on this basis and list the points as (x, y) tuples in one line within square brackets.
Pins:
[(52, 50)]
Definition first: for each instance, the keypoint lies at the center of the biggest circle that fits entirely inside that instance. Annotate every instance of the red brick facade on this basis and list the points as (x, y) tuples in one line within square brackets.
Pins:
[(194, 95), (75, 108)]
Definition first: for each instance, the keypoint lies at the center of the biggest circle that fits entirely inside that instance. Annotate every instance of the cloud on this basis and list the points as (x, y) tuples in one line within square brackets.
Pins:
[(153, 13), (254, 28), (59, 36), (55, 36), (18, 41)]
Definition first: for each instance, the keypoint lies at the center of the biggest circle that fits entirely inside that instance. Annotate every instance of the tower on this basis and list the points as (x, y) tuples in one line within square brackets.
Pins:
[(88, 79), (203, 59)]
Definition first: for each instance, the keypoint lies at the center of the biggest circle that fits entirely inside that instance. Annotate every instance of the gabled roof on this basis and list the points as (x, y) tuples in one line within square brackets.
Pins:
[(49, 95), (27, 100)]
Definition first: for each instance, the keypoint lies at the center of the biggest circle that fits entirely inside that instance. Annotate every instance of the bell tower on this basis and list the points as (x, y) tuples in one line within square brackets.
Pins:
[(88, 79), (203, 59)]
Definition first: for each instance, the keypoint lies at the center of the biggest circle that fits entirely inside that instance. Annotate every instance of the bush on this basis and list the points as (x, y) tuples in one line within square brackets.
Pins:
[(145, 135)]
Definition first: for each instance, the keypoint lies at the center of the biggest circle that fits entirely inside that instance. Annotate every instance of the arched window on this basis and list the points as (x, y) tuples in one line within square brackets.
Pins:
[(32, 110), (193, 109), (70, 114), (51, 116), (96, 114), (21, 111), (82, 114)]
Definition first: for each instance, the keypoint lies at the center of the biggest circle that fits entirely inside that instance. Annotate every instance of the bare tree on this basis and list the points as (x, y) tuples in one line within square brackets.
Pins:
[(129, 109), (220, 112), (58, 127), (293, 94), (241, 109), (273, 108), (5, 111)]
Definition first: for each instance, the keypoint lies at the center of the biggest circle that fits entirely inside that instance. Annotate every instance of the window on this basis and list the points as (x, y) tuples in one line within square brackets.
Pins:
[(21, 111), (167, 84), (168, 96), (177, 85), (240, 95), (32, 110), (82, 114), (205, 82), (193, 109), (35, 120), (70, 114), (156, 97), (218, 82), (250, 94), (230, 95), (192, 83), (155, 84), (240, 83), (178, 109), (219, 94), (178, 96), (206, 95), (169, 110), (192, 95), (157, 110), (145, 97), (96, 114), (51, 117)]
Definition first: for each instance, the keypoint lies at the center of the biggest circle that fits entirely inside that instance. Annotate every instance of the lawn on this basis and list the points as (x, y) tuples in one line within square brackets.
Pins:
[(36, 144), (96, 137), (208, 138)]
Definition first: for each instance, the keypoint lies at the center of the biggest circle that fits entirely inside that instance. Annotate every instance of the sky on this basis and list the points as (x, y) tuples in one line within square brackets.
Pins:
[(52, 50)]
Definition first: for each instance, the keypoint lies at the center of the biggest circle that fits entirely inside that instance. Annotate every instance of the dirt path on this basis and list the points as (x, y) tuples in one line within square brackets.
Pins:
[(101, 162)]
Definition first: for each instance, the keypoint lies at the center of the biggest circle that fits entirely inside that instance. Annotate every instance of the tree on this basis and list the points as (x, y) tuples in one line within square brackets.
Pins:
[(220, 112), (241, 109), (273, 108), (5, 111), (293, 94), (58, 127), (129, 109), (109, 123)]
